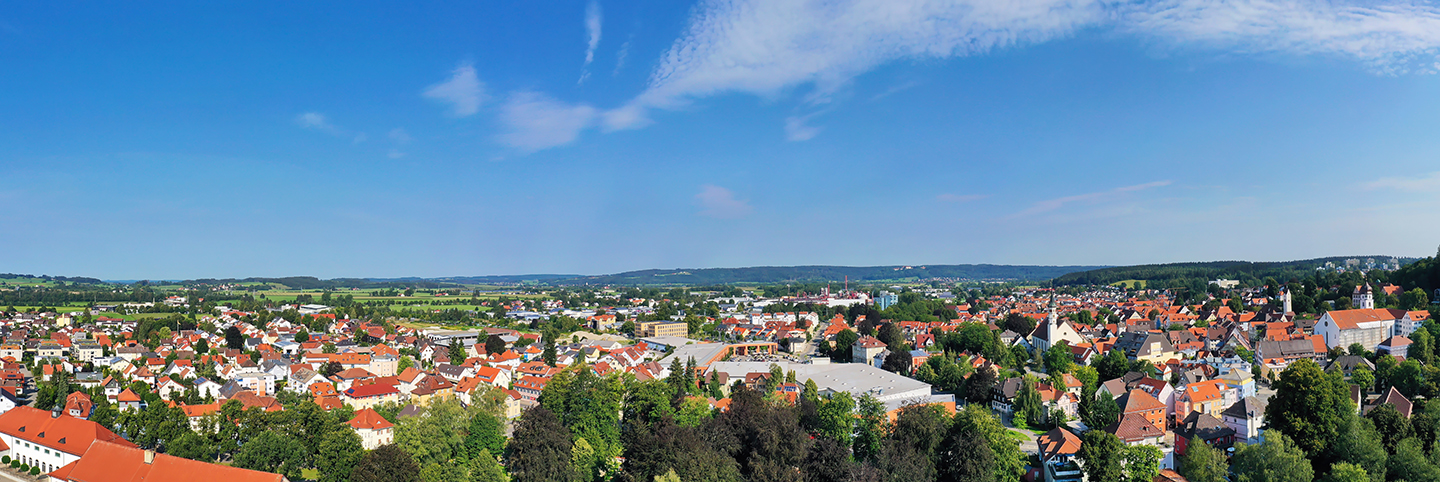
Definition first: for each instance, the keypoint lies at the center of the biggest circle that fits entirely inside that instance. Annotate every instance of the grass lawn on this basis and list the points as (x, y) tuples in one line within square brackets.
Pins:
[(1130, 283), (1017, 436), (310, 474)]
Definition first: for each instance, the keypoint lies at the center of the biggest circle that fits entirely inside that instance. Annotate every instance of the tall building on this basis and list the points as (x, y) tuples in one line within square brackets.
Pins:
[(1364, 298), (886, 299)]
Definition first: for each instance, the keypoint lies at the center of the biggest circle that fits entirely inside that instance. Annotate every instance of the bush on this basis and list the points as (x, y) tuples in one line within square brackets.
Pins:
[(24, 467), (34, 470), (15, 464), (5, 459)]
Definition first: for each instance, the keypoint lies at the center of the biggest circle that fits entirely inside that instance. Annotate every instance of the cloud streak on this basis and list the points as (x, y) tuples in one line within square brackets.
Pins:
[(536, 121), (1426, 183), (719, 203), (592, 32), (463, 91), (1057, 203)]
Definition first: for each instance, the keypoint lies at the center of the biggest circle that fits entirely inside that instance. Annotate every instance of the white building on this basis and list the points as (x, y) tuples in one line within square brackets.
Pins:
[(373, 429), (50, 440), (1368, 327)]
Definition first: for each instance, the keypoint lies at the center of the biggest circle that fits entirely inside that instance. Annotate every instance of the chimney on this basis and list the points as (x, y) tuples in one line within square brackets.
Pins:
[(56, 412), (149, 457)]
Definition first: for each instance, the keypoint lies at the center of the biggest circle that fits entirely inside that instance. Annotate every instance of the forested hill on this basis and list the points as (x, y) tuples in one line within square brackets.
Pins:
[(781, 274), (1279, 270)]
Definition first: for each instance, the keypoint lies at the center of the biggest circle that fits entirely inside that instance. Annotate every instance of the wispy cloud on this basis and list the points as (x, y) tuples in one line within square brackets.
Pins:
[(399, 135), (1426, 183), (797, 129), (463, 91), (592, 31), (395, 154), (536, 121), (317, 121), (1057, 203), (769, 47), (960, 198), (620, 57), (718, 202)]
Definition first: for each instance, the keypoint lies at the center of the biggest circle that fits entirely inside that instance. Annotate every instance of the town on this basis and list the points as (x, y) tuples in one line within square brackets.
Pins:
[(1323, 376)]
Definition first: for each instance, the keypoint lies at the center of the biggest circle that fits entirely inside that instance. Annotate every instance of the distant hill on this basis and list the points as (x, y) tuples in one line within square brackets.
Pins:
[(1207, 270), (782, 274)]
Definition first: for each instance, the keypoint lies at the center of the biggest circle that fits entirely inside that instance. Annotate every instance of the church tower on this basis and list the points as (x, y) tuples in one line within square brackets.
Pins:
[(1285, 300), (1364, 298)]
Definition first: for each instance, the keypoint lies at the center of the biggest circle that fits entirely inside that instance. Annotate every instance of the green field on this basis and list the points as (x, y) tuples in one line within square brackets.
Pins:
[(1130, 283)]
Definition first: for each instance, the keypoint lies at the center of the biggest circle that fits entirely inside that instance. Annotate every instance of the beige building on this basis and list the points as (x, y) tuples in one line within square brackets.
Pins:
[(663, 328), (373, 429)]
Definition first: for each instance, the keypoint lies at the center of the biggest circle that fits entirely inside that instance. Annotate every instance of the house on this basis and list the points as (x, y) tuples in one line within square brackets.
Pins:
[(1136, 429), (1397, 346), (1393, 397), (866, 349), (1348, 363), (1150, 346), (116, 461), (1057, 452), (373, 429), (1209, 397), (1137, 402), (1002, 395), (1206, 428), (368, 396), (50, 439), (1054, 331), (1242, 382), (1288, 351), (128, 400), (1245, 417)]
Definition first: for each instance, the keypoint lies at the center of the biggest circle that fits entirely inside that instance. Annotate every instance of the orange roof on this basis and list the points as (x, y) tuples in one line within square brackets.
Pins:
[(369, 419), (1205, 391), (200, 410), (112, 461), (1140, 401), (1348, 319), (127, 396), (64, 433)]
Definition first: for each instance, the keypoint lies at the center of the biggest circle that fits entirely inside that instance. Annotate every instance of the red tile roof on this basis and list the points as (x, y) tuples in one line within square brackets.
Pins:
[(370, 419), (107, 461), (64, 433)]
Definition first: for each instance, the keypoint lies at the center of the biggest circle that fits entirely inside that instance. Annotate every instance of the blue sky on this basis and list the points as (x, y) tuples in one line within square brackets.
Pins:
[(434, 139)]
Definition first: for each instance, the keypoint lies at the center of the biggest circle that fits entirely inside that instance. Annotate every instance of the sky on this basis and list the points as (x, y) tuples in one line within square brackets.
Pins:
[(385, 139)]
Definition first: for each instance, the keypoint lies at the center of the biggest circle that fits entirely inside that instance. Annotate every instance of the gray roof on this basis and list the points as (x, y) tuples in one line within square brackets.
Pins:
[(1247, 407)]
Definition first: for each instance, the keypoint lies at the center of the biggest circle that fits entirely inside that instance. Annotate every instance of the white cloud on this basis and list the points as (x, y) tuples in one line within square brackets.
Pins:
[(620, 57), (797, 130), (399, 135), (770, 47), (1427, 183), (463, 91), (536, 121), (317, 121), (1057, 203), (959, 198), (592, 31), (718, 202), (395, 154)]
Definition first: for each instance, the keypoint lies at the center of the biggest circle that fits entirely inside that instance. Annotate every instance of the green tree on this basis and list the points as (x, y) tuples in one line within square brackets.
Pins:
[(1101, 412), (1358, 444), (844, 340), (1277, 459), (386, 463), (301, 336), (1008, 463), (869, 427), (837, 418), (540, 449), (1392, 426), (1308, 406), (1414, 299), (233, 339), (483, 438), (493, 344), (272, 452), (1410, 463), (965, 455), (1058, 359), (1364, 378), (1142, 462), (456, 352), (1202, 463), (337, 455), (1347, 472), (1103, 454), (1112, 365)]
